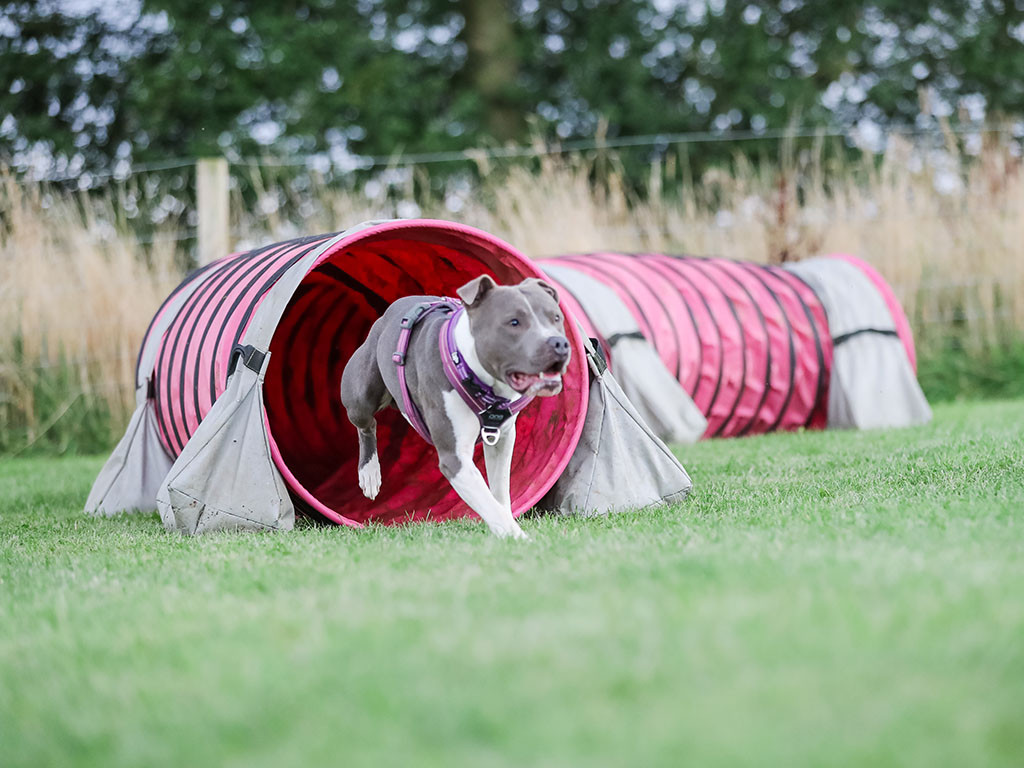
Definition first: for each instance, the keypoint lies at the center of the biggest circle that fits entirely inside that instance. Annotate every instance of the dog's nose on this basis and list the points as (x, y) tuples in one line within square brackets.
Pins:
[(560, 344)]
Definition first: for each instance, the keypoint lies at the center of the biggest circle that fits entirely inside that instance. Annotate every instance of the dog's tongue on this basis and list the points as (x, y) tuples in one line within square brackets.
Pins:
[(521, 382)]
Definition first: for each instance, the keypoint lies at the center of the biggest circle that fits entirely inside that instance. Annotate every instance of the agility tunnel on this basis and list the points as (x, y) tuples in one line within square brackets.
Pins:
[(756, 348), (349, 286), (239, 418)]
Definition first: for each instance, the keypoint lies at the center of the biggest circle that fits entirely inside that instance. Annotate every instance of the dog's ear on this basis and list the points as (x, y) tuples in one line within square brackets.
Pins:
[(543, 285), (473, 292)]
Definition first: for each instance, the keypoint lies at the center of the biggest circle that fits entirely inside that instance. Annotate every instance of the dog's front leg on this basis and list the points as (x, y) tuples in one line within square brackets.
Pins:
[(498, 460), (455, 458), (471, 487)]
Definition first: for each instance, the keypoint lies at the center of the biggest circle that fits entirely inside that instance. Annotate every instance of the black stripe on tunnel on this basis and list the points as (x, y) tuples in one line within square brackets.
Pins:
[(786, 274), (660, 268), (289, 373), (722, 266), (257, 267), (312, 397), (741, 333), (225, 265), (640, 264), (244, 264), (260, 263), (755, 270), (610, 280), (844, 337), (678, 265), (189, 279), (377, 303), (255, 301), (334, 360)]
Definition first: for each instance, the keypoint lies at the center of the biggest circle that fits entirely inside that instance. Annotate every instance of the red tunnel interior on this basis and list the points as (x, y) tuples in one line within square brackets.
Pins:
[(330, 314)]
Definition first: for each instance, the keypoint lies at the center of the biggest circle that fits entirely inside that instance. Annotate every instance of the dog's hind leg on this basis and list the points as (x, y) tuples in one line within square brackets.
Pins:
[(369, 468), (363, 393)]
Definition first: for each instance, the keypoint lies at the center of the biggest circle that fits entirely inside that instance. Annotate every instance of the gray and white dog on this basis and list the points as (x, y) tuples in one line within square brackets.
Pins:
[(513, 340)]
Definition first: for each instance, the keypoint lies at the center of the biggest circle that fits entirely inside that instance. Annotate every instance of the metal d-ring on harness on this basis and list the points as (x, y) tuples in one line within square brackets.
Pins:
[(492, 410)]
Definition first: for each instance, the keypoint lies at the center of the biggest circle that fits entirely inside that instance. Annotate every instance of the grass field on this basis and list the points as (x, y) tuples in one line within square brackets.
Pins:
[(830, 599)]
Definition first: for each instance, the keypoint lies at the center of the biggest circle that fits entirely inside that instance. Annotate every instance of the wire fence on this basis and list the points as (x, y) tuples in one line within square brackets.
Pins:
[(135, 169), (340, 159), (288, 201)]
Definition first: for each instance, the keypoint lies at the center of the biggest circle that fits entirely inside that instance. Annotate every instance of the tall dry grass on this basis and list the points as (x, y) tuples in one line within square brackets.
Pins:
[(945, 227), (76, 295)]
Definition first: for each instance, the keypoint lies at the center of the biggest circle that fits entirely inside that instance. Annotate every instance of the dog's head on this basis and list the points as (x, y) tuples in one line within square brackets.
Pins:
[(519, 333)]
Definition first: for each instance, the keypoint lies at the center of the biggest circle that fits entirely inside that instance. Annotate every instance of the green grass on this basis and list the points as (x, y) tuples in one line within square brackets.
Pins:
[(949, 371), (830, 599), (48, 413)]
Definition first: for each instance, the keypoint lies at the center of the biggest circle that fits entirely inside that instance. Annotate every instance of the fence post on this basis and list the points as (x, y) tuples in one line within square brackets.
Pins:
[(212, 207)]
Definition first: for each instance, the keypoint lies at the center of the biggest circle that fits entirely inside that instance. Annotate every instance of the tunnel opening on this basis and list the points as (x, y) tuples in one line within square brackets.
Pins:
[(313, 444)]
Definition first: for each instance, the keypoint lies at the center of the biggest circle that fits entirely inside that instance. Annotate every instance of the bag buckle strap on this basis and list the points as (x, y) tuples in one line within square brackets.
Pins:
[(416, 314), (251, 358)]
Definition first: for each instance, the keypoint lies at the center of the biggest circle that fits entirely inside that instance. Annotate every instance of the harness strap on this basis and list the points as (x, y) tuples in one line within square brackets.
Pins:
[(416, 315), (251, 358), (491, 409)]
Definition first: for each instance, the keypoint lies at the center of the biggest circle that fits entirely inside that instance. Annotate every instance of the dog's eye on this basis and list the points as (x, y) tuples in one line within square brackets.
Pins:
[(514, 321), (558, 318)]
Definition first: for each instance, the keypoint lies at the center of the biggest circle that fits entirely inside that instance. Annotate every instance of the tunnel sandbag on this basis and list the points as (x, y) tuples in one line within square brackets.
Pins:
[(620, 463), (328, 314), (748, 343)]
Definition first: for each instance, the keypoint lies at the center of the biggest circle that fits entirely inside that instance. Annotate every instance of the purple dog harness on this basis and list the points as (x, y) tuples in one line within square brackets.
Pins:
[(492, 410)]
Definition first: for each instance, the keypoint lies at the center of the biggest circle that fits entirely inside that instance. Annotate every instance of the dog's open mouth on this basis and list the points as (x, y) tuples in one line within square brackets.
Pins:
[(547, 382)]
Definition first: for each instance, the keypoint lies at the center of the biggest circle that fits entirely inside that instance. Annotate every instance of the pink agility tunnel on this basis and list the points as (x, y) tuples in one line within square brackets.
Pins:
[(750, 343), (330, 312)]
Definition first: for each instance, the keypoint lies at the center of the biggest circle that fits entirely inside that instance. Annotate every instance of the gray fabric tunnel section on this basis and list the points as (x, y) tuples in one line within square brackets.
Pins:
[(873, 384)]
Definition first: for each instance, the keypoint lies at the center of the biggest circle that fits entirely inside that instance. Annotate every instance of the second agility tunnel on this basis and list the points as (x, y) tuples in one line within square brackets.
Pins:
[(753, 348)]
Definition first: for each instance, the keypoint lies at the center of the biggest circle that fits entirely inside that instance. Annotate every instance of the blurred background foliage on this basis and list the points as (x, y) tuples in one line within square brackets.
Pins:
[(90, 83)]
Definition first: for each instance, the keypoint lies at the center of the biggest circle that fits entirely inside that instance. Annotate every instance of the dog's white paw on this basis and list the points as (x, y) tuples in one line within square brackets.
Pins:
[(512, 532), (369, 478)]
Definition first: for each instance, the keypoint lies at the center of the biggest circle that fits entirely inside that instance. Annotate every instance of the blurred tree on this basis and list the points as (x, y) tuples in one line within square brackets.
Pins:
[(966, 54), (239, 76), (158, 78), (492, 66), (62, 83)]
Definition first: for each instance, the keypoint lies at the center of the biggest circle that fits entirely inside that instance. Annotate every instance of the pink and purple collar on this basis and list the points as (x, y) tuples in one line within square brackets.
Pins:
[(491, 409)]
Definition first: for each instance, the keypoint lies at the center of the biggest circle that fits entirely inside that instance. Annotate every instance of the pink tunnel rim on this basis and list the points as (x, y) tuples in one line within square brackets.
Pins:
[(409, 226)]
